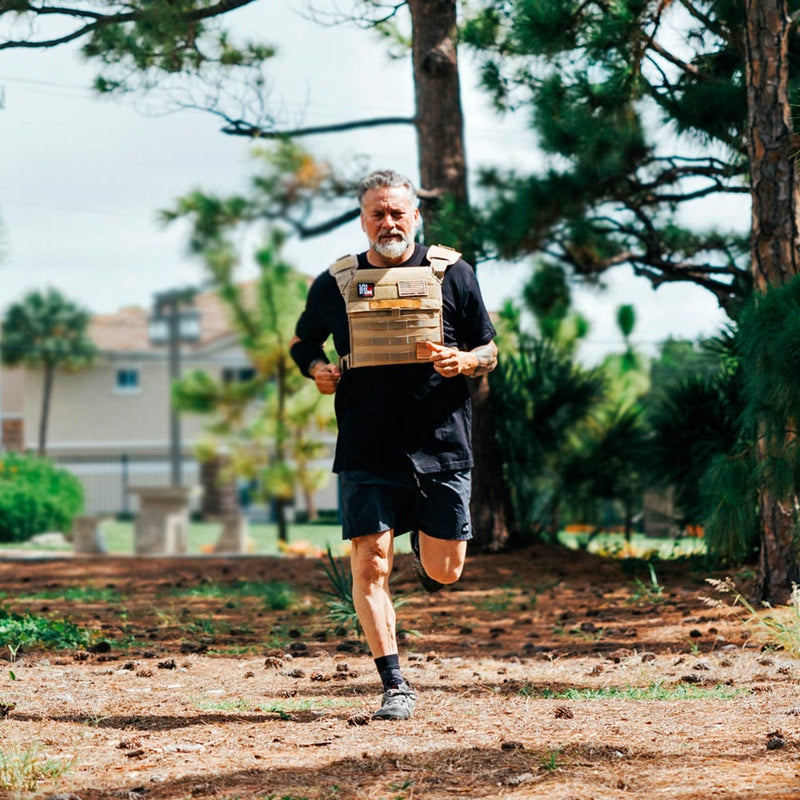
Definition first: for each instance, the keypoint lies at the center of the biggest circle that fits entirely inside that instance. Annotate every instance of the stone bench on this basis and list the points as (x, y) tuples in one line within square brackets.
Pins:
[(162, 523)]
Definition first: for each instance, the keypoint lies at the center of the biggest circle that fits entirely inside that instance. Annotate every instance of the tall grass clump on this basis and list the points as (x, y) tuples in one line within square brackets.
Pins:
[(22, 768), (341, 609), (773, 626)]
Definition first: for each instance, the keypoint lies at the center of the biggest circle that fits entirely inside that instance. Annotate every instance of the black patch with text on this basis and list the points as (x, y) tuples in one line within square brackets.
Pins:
[(366, 289)]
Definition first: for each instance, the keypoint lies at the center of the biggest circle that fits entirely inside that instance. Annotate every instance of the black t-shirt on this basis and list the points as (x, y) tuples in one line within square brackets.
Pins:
[(390, 414)]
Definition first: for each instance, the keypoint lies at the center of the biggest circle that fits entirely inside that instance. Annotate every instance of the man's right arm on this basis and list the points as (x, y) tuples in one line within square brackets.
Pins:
[(313, 363), (312, 331), (306, 354)]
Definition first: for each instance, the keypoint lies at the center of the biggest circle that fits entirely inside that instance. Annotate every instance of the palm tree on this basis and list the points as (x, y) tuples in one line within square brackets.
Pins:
[(46, 330)]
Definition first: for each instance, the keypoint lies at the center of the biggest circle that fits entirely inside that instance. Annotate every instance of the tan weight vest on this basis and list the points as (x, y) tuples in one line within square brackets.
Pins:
[(392, 311)]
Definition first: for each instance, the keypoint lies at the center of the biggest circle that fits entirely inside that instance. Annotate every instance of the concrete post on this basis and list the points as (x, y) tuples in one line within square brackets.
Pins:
[(87, 538), (162, 524), (233, 538)]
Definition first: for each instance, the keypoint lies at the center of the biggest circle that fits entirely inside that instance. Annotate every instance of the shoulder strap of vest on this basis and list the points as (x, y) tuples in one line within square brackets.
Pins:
[(440, 258), (343, 269)]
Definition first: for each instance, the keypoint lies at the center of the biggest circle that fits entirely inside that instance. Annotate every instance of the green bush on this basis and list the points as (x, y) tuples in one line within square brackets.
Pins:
[(35, 496)]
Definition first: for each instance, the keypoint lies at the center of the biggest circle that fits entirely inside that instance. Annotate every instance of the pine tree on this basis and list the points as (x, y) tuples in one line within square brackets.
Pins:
[(640, 108), (649, 106)]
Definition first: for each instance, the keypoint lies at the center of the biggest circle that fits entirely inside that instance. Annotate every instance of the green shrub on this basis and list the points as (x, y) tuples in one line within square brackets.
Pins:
[(35, 496)]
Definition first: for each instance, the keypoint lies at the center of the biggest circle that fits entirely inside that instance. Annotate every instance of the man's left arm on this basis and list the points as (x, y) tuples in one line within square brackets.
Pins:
[(449, 361)]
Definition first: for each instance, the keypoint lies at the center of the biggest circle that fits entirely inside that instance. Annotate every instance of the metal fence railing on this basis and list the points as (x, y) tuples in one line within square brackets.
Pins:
[(108, 480)]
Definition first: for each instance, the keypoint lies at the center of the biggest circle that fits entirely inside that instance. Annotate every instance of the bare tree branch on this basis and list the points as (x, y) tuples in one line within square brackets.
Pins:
[(331, 19), (242, 128), (306, 232)]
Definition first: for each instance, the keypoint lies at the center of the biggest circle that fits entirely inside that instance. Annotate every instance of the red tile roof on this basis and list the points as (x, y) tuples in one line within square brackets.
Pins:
[(126, 330)]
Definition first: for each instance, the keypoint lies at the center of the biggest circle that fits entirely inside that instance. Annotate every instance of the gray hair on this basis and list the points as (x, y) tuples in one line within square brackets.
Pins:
[(385, 178)]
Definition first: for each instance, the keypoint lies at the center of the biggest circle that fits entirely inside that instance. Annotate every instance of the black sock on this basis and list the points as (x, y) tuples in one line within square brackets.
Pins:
[(389, 670)]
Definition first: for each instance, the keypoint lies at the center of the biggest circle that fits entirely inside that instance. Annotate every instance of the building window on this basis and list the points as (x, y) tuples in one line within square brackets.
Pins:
[(127, 380), (237, 374)]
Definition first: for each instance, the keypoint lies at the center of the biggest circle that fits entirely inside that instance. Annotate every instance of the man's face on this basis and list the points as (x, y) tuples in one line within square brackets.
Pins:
[(390, 218)]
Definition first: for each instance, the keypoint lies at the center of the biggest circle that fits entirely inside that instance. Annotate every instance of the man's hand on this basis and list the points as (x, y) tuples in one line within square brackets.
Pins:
[(326, 376), (449, 361)]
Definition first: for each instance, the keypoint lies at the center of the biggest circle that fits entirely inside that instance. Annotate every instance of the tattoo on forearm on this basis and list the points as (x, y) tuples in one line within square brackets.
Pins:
[(487, 359)]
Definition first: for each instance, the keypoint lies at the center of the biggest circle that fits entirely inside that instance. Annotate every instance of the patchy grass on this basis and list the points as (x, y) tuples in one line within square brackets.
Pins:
[(77, 594), (207, 704), (286, 708), (276, 596), (27, 630), (495, 602), (653, 691)]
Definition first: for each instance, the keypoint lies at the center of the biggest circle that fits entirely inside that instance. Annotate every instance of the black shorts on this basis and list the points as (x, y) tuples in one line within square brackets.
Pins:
[(436, 503)]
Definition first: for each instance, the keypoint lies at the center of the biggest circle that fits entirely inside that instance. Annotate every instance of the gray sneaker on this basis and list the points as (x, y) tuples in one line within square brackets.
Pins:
[(427, 583), (398, 703)]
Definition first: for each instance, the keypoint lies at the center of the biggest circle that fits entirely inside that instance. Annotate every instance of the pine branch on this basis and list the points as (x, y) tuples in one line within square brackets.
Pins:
[(707, 22), (99, 20), (690, 69), (724, 292)]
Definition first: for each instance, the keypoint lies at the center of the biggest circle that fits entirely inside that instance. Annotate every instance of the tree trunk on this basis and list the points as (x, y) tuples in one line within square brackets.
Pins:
[(312, 514), (778, 566), (773, 166), (774, 242), (280, 443), (490, 501), (443, 168), (439, 119), (281, 520), (47, 392)]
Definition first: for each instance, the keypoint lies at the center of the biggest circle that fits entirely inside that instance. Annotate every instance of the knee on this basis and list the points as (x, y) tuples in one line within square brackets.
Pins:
[(369, 563), (443, 560), (446, 572)]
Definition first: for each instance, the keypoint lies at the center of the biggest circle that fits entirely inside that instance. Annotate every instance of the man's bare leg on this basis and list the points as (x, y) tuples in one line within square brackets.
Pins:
[(443, 559), (371, 560)]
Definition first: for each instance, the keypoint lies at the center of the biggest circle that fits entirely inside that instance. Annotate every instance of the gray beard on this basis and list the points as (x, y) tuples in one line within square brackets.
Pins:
[(391, 250)]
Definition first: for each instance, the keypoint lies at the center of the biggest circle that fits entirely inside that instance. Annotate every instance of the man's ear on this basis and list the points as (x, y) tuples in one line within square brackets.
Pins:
[(363, 222)]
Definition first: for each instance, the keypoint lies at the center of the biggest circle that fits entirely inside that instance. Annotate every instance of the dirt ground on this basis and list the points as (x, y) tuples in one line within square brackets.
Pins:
[(218, 697)]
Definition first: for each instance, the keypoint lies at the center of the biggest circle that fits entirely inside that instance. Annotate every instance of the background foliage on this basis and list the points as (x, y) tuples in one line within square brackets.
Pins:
[(35, 496)]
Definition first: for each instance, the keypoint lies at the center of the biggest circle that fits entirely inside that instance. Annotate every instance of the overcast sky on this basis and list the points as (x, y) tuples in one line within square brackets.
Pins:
[(82, 179)]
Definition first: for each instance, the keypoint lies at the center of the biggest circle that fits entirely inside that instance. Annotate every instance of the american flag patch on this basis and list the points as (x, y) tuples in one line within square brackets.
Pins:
[(418, 288), (366, 289)]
